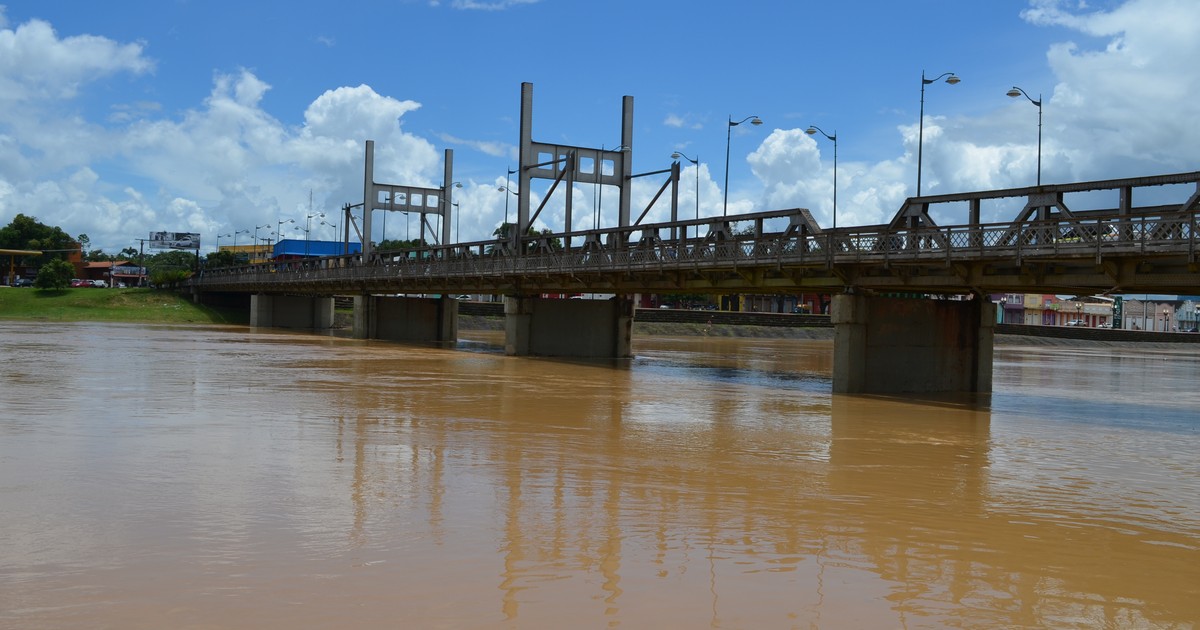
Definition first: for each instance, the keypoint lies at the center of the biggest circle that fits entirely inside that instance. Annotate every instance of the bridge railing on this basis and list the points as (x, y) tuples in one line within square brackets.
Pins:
[(639, 249)]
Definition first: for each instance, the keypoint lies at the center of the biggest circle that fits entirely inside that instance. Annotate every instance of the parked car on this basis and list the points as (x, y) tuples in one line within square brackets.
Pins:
[(100, 284), (22, 282), (76, 283), (1104, 326), (1077, 322)]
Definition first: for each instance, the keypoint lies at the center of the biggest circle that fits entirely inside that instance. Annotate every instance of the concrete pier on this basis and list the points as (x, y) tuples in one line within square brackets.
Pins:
[(568, 328), (895, 345), (411, 319), (291, 311)]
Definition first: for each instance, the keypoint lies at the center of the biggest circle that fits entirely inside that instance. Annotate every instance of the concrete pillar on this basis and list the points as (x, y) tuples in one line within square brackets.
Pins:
[(410, 319), (260, 310), (363, 325), (291, 311), (896, 345), (568, 328)]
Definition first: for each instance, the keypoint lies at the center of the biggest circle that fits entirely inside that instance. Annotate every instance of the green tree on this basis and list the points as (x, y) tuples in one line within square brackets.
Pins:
[(223, 258), (128, 253), (26, 232), (84, 243), (53, 275)]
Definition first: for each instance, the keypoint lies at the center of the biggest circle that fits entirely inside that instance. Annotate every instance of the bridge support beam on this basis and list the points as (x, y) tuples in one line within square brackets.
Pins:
[(410, 319), (291, 311), (892, 345), (568, 328)]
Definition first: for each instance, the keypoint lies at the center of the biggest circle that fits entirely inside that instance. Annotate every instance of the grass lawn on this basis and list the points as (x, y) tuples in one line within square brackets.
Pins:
[(111, 305)]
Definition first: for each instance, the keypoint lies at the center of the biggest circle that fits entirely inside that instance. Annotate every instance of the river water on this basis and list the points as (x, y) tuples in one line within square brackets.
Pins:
[(224, 477)]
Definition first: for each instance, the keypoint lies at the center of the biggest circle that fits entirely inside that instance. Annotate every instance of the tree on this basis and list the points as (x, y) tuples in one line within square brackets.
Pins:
[(223, 258), (26, 232), (128, 253), (55, 274), (84, 242)]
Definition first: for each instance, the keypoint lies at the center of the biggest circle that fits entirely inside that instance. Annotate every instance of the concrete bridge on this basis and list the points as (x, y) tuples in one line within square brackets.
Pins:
[(1081, 239)]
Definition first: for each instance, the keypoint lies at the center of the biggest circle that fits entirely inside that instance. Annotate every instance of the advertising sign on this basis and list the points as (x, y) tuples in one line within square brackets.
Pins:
[(174, 240)]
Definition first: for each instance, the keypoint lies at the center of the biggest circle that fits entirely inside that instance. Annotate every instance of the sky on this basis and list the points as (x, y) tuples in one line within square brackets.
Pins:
[(227, 117)]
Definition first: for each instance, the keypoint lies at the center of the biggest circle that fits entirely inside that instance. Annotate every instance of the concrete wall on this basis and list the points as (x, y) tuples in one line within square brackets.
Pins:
[(291, 311), (410, 319), (568, 328), (890, 345)]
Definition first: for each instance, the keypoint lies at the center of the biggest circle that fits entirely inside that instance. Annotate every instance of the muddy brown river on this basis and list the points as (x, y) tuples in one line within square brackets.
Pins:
[(227, 477)]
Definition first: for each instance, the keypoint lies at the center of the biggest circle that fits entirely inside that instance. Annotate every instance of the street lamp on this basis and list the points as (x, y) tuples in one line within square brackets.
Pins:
[(332, 225), (308, 226), (506, 189), (257, 253), (812, 129), (457, 231), (1014, 93), (695, 163), (754, 120), (952, 79), (1166, 319), (219, 237), (278, 227), (235, 235)]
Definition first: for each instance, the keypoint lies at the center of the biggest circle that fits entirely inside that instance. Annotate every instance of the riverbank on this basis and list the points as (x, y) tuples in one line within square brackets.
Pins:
[(112, 305)]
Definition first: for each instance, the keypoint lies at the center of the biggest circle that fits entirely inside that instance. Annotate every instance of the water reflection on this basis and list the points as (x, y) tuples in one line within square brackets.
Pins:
[(260, 478)]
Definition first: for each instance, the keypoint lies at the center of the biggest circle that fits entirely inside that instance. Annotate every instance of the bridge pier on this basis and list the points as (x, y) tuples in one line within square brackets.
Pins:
[(410, 319), (895, 345), (291, 311), (568, 328)]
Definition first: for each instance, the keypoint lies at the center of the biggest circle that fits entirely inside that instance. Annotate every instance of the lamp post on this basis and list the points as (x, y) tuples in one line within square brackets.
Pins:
[(1166, 320), (696, 164), (952, 79), (754, 120), (332, 225), (504, 226), (812, 129), (256, 229), (219, 237), (278, 227), (235, 235), (308, 226), (1014, 93), (457, 231)]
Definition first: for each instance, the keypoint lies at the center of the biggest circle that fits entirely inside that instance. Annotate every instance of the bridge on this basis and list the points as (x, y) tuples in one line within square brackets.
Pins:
[(1053, 246), (1130, 235)]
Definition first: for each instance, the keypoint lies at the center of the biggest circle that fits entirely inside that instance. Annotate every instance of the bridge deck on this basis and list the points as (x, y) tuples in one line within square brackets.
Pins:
[(1049, 248)]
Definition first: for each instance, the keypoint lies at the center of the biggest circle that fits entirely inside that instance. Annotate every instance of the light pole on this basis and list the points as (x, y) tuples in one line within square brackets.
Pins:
[(219, 237), (278, 227), (754, 120), (812, 129), (696, 164), (308, 226), (457, 231), (1166, 320), (1014, 93), (332, 225), (235, 235), (256, 229), (504, 226), (952, 79)]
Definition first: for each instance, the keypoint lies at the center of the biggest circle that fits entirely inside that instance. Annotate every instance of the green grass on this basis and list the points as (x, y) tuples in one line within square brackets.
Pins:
[(111, 305)]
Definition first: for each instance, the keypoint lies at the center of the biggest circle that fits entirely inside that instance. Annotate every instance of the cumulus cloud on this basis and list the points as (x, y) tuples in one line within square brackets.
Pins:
[(1120, 108)]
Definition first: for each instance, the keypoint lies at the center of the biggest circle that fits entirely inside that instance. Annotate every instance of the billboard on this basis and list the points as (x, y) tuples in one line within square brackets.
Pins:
[(174, 240)]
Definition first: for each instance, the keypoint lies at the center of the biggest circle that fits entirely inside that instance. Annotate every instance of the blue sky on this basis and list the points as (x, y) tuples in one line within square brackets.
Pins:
[(117, 119)]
